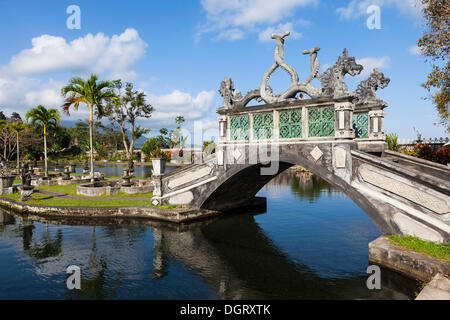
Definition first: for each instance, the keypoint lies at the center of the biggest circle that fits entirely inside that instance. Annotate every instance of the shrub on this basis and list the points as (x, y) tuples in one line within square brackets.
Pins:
[(392, 141), (443, 155), (424, 151)]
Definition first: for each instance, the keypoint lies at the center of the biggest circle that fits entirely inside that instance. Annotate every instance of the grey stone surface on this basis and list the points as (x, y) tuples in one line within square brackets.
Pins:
[(98, 189), (412, 264), (366, 91), (332, 81), (437, 289), (239, 179)]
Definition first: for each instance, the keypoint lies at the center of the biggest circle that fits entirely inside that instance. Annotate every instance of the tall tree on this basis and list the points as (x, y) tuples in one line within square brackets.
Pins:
[(18, 127), (176, 134), (435, 44), (46, 118), (93, 94), (127, 106)]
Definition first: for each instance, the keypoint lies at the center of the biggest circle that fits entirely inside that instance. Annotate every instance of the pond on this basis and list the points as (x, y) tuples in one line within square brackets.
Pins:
[(312, 243)]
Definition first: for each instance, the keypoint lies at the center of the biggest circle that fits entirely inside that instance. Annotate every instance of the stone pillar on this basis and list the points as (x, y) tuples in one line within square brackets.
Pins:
[(157, 181), (376, 124), (305, 125), (276, 125), (223, 128), (344, 120), (251, 132)]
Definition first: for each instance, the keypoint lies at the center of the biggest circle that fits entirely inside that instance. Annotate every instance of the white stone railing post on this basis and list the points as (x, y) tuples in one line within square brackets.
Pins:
[(250, 128), (276, 126), (305, 124), (223, 128), (376, 124), (344, 120)]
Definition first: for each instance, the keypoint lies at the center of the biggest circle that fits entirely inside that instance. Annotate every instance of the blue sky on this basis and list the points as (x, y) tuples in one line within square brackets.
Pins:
[(180, 51)]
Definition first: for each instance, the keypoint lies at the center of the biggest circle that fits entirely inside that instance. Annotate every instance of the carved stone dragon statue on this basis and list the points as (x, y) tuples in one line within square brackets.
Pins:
[(332, 80), (366, 92)]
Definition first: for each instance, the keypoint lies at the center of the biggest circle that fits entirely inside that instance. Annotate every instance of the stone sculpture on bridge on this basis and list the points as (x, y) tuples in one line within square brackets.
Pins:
[(332, 81), (367, 89)]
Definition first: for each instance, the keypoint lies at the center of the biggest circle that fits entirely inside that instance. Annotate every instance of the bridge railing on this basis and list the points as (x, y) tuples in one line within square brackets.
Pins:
[(307, 120)]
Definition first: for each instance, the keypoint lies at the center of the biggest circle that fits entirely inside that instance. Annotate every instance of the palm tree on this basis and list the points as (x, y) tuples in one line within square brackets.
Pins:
[(18, 127), (92, 94), (179, 120), (47, 118)]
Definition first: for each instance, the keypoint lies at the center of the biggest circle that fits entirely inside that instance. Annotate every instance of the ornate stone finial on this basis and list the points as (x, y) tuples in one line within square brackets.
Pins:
[(265, 92), (366, 91), (233, 99), (332, 80)]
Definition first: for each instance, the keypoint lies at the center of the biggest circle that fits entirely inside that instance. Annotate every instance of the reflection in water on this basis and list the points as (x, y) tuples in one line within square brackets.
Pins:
[(278, 255), (305, 185)]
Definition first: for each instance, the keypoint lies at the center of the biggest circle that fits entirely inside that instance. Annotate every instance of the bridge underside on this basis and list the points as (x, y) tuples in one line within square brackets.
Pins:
[(400, 199)]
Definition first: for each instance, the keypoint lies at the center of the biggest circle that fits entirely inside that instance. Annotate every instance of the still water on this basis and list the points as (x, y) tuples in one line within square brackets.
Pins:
[(312, 243)]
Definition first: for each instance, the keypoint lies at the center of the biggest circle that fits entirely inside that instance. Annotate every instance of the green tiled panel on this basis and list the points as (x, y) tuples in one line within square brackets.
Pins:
[(239, 127), (263, 126), (321, 121), (361, 125), (290, 124)]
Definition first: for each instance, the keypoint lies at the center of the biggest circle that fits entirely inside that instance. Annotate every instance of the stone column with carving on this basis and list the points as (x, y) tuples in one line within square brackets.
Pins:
[(223, 137), (344, 120), (376, 124), (223, 127)]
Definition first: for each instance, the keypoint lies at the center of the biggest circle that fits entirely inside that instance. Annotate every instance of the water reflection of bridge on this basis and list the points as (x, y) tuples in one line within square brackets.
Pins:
[(246, 265)]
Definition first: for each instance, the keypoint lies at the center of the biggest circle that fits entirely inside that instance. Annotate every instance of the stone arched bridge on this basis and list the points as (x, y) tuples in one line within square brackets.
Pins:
[(401, 194), (336, 134)]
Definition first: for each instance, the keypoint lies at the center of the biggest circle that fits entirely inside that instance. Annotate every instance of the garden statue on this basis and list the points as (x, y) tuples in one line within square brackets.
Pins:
[(26, 175), (131, 166), (26, 191), (126, 178)]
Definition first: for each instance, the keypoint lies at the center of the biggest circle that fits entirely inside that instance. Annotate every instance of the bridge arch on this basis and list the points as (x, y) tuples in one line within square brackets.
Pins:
[(241, 183)]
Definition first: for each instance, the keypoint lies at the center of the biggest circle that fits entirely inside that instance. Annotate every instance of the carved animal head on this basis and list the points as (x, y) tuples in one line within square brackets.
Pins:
[(378, 79), (348, 64)]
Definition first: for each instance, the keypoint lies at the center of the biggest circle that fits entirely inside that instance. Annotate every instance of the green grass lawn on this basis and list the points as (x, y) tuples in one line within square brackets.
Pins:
[(88, 202), (440, 251), (47, 200), (72, 190)]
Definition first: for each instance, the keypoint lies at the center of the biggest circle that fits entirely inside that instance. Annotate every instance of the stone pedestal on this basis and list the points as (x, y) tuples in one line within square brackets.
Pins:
[(344, 120), (126, 178), (67, 171), (376, 124), (159, 166), (26, 192), (157, 184)]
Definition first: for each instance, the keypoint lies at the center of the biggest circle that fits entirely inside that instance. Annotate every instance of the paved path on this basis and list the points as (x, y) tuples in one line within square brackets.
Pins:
[(66, 196), (437, 289)]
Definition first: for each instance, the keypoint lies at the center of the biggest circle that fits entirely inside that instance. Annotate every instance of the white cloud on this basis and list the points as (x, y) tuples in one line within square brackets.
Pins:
[(98, 53), (371, 63), (169, 106), (227, 17), (231, 34), (265, 35), (357, 8), (414, 51), (113, 56)]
